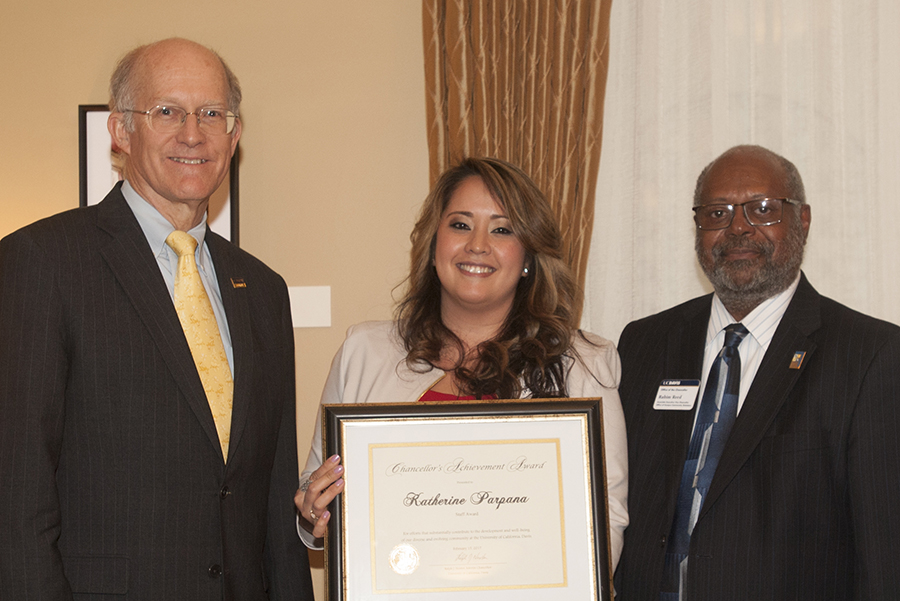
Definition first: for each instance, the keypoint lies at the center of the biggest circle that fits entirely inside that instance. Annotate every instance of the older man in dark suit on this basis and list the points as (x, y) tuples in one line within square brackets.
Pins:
[(764, 420), (147, 430)]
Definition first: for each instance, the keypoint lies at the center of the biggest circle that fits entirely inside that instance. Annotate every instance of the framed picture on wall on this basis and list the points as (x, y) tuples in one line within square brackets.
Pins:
[(100, 167)]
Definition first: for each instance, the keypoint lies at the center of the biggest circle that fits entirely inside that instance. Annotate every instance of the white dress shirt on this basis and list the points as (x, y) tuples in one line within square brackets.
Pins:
[(761, 323)]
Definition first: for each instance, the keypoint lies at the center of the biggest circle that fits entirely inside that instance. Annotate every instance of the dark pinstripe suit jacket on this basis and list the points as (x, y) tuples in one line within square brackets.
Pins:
[(804, 502), (112, 477)]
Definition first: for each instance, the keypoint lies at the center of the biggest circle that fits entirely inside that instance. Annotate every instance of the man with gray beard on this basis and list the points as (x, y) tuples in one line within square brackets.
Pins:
[(764, 456)]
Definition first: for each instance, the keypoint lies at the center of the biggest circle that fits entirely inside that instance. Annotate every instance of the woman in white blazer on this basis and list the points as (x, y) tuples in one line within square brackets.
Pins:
[(488, 313)]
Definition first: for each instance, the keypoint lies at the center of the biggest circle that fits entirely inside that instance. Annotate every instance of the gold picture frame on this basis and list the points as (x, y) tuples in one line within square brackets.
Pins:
[(445, 499)]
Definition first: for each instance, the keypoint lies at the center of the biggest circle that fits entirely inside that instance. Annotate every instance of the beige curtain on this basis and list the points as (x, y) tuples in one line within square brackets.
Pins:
[(815, 81), (523, 81)]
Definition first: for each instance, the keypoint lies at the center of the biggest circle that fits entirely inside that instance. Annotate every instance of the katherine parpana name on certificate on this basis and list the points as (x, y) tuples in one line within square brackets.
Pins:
[(466, 515)]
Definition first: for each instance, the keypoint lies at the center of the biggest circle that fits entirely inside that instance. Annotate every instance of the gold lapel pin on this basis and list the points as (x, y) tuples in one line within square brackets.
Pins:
[(797, 359), (238, 283)]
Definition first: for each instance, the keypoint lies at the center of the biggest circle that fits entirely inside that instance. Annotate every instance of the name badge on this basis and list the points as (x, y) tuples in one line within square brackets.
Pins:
[(676, 395)]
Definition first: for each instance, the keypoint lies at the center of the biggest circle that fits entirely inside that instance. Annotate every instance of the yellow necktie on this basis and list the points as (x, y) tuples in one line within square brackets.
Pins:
[(202, 332)]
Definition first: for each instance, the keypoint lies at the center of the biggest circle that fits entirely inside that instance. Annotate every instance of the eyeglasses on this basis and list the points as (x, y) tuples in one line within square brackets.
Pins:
[(169, 119), (762, 211)]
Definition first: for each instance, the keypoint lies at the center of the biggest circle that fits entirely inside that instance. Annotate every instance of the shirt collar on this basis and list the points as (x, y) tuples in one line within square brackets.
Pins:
[(761, 322), (157, 228)]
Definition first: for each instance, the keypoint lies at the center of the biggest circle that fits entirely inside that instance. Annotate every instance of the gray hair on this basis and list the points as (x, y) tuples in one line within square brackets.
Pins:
[(792, 180), (125, 81)]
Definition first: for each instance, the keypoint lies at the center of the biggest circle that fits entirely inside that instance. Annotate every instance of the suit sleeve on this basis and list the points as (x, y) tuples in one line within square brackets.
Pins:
[(33, 371), (287, 562), (874, 475)]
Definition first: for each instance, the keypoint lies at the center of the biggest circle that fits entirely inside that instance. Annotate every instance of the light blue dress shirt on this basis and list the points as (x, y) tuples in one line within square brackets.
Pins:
[(156, 229)]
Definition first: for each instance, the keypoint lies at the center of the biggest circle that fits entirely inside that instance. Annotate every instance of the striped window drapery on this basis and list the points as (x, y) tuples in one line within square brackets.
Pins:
[(524, 82)]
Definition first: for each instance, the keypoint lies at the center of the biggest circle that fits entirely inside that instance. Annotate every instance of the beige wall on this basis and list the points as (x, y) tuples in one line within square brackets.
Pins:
[(334, 157)]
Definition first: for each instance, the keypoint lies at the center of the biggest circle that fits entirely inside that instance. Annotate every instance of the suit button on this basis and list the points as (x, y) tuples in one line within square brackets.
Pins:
[(662, 540), (215, 570), (224, 492)]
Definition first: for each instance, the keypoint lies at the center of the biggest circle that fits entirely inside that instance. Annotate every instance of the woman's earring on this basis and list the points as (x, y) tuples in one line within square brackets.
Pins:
[(525, 272)]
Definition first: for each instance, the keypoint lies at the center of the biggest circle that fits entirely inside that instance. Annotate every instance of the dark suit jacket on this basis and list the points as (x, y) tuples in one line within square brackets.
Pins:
[(804, 502), (113, 481)]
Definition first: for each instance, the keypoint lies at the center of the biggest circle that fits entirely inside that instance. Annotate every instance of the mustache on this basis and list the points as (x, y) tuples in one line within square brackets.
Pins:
[(765, 248)]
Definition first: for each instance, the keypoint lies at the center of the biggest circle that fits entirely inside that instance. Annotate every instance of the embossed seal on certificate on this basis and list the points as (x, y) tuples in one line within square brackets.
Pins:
[(404, 559)]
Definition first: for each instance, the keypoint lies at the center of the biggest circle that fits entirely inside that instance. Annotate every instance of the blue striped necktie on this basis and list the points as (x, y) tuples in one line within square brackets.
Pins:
[(716, 415)]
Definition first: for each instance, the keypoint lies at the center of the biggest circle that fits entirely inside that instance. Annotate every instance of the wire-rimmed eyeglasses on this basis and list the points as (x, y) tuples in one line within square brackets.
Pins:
[(169, 119)]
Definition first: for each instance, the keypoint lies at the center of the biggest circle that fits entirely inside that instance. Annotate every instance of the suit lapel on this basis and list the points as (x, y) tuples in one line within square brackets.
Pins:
[(774, 381), (684, 360), (132, 263), (232, 286)]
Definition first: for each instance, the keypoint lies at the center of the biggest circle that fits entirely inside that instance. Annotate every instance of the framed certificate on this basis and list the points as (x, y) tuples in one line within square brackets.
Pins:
[(455, 500)]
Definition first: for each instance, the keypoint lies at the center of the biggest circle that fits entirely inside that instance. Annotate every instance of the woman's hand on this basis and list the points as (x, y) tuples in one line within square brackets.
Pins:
[(317, 492)]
